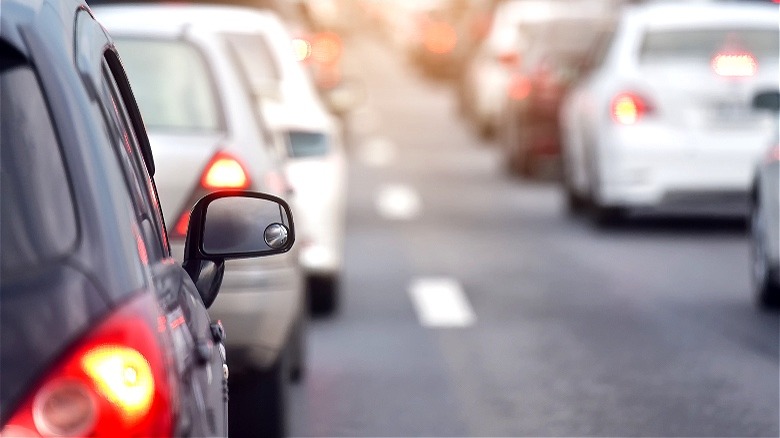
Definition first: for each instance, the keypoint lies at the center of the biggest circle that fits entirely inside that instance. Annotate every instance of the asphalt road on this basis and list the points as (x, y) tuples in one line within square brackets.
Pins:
[(555, 327)]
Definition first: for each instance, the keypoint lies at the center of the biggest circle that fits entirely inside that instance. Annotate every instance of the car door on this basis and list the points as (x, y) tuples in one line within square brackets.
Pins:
[(197, 363)]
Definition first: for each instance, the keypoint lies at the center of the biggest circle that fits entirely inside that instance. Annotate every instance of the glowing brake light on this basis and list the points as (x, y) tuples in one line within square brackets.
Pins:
[(440, 38), (326, 48), (124, 377), (519, 87), (224, 172), (628, 108), (112, 383), (183, 224), (734, 64)]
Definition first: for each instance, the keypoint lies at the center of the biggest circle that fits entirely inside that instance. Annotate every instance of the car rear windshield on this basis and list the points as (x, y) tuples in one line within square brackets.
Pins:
[(703, 44), (37, 214), (308, 144), (255, 59), (172, 84)]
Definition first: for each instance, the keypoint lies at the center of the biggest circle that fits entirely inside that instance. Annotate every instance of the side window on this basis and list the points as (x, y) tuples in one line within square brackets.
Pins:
[(139, 184), (34, 181)]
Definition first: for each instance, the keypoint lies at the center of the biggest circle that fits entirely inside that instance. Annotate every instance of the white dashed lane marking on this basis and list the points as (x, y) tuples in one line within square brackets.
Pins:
[(398, 202), (441, 303)]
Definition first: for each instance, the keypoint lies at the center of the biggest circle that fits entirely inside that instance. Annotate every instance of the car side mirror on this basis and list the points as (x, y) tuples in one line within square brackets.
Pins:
[(233, 225), (767, 100)]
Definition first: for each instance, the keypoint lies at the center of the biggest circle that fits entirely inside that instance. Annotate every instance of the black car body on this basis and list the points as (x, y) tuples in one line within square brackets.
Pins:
[(102, 333)]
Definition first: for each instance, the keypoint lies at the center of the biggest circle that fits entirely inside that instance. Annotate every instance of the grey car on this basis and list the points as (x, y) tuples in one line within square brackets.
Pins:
[(765, 215), (102, 333)]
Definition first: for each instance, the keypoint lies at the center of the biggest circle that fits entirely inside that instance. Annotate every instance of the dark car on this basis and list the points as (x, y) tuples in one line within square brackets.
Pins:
[(765, 213), (529, 130), (102, 333)]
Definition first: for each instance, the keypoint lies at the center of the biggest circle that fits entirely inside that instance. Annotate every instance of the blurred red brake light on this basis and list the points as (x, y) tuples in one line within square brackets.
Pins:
[(629, 108), (734, 64), (326, 48), (519, 87), (440, 37), (113, 383), (224, 172)]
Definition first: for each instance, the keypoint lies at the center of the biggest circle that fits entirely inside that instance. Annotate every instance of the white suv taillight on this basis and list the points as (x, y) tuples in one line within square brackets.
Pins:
[(112, 383), (629, 108)]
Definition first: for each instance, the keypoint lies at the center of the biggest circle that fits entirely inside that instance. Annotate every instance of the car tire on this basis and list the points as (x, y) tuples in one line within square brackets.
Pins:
[(323, 291), (607, 216), (258, 401), (298, 351), (575, 204), (766, 293)]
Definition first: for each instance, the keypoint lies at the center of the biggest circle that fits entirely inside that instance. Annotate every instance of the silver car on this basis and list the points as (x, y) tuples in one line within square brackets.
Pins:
[(207, 135)]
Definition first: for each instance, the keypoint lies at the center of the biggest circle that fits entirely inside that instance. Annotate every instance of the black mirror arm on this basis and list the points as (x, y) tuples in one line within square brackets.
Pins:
[(207, 276), (205, 273)]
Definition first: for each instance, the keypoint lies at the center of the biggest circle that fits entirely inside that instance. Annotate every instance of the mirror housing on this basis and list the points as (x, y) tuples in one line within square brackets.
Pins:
[(767, 100), (233, 224)]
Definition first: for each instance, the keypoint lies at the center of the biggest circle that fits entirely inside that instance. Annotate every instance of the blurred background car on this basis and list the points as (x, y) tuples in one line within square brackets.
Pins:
[(207, 134), (314, 153), (551, 64), (765, 213), (315, 26), (481, 93), (663, 118), (103, 333)]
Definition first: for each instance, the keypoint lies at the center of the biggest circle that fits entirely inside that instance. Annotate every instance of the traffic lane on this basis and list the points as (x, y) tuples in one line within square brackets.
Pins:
[(373, 370), (588, 349), (648, 320), (643, 329)]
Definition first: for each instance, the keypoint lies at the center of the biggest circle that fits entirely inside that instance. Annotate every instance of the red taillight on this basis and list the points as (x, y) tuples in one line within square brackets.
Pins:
[(734, 64), (509, 59), (326, 48), (440, 37), (113, 383), (224, 172), (628, 108), (519, 87), (180, 230)]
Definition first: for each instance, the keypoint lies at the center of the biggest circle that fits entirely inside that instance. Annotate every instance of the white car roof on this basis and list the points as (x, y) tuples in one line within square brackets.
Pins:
[(173, 19), (302, 106), (672, 15)]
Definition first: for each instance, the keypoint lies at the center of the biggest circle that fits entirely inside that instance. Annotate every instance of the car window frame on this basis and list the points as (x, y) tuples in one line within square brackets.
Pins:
[(140, 185), (209, 69)]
